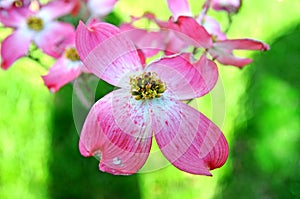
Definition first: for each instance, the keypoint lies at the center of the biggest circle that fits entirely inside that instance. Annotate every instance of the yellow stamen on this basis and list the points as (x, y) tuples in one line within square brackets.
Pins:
[(72, 54), (147, 86), (35, 23)]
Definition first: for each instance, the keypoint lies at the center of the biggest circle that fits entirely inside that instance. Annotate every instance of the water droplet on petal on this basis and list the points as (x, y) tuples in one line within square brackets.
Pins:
[(117, 161)]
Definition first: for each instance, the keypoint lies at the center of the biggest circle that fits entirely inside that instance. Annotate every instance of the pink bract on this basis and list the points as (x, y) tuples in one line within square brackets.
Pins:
[(220, 50), (151, 42), (212, 26), (120, 126), (191, 32), (179, 8), (223, 50), (183, 19)]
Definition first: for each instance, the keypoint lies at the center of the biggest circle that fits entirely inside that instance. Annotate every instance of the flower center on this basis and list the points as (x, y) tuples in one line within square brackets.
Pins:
[(35, 23), (18, 3), (147, 86), (71, 54)]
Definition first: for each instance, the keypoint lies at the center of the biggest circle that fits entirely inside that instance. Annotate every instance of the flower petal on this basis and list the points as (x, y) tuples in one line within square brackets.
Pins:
[(179, 8), (189, 140), (222, 50), (213, 27), (54, 37), (55, 9), (76, 7), (88, 37), (150, 42), (117, 128), (101, 7), (14, 17), (183, 79), (61, 73), (209, 71), (14, 47), (6, 4), (229, 59), (242, 44), (191, 32), (108, 54), (174, 44)]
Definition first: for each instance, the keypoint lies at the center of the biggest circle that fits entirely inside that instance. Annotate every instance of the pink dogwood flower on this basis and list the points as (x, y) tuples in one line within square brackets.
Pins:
[(38, 26), (120, 126), (66, 68), (205, 32), (220, 50)]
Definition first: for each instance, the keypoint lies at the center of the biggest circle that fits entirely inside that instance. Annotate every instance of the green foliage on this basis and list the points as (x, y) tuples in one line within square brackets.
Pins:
[(265, 151), (24, 132)]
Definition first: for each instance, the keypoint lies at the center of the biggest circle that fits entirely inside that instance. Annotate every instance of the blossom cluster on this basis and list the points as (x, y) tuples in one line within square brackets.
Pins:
[(155, 72)]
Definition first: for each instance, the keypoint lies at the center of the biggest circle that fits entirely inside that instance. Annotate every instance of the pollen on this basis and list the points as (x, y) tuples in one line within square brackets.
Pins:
[(35, 23), (72, 54), (147, 86)]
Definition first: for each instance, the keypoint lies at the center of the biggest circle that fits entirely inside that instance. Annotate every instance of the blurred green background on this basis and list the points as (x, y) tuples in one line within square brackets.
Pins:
[(39, 155)]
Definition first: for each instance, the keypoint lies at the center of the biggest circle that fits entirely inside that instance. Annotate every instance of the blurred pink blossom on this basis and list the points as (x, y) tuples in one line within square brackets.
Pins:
[(229, 6), (66, 68), (38, 26)]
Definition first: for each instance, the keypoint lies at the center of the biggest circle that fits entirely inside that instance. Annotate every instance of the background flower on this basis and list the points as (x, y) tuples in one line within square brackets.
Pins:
[(67, 67), (38, 26)]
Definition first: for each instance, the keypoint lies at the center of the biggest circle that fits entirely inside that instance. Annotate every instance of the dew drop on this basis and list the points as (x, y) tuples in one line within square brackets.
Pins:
[(117, 161)]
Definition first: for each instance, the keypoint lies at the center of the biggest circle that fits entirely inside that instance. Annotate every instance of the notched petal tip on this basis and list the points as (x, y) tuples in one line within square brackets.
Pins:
[(83, 150), (222, 148), (52, 87), (265, 47), (4, 65), (195, 33), (260, 45), (80, 23)]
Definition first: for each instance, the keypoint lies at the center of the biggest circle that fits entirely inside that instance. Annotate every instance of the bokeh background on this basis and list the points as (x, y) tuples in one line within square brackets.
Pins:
[(258, 111)]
